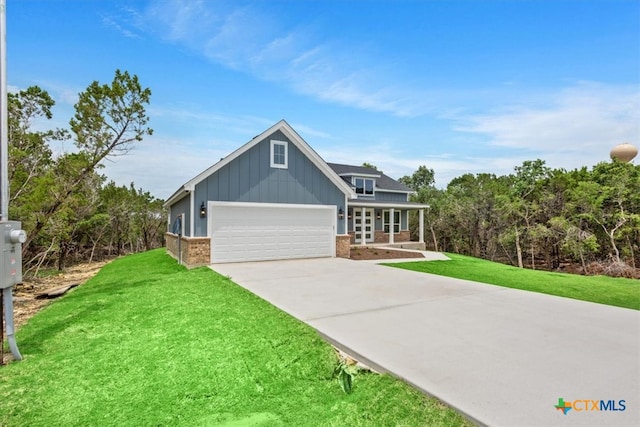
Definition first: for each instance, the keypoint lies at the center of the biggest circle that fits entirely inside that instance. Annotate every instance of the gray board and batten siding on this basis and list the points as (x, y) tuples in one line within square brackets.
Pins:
[(250, 178), (181, 207), (383, 196)]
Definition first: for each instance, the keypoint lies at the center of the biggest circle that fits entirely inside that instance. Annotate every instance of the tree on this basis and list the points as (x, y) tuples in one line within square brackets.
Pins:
[(611, 201), (576, 242), (421, 178), (29, 152), (109, 119), (369, 165), (521, 205)]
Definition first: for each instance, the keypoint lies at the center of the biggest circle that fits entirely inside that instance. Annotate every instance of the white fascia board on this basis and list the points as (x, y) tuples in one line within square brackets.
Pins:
[(177, 196), (230, 157), (361, 175), (395, 191), (316, 159), (386, 205), (296, 139)]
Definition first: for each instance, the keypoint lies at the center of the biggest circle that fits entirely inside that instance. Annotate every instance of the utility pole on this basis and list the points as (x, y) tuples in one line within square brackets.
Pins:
[(11, 234)]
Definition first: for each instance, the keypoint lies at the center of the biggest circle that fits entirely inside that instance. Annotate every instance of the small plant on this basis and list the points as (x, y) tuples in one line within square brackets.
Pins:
[(345, 373)]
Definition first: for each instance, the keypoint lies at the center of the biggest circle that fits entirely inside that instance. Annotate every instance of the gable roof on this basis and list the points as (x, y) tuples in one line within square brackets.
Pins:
[(292, 135), (383, 182)]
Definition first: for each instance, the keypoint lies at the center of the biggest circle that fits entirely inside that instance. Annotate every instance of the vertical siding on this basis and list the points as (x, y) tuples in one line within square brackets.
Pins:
[(382, 196), (180, 207), (250, 178)]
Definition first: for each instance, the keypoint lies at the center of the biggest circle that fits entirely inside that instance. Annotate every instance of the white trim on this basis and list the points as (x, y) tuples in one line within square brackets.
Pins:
[(273, 205), (272, 163), (396, 191), (346, 216), (176, 197), (193, 216), (363, 175), (392, 217), (364, 186), (384, 205)]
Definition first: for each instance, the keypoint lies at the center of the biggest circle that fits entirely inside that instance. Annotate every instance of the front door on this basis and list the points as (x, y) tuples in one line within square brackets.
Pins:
[(360, 223)]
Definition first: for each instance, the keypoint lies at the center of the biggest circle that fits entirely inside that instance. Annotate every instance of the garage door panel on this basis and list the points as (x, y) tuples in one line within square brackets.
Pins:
[(253, 232)]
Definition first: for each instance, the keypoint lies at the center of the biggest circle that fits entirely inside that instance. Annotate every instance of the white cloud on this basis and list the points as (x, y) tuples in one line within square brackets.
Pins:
[(112, 23), (574, 128), (249, 39), (163, 161), (587, 116), (161, 165), (397, 164)]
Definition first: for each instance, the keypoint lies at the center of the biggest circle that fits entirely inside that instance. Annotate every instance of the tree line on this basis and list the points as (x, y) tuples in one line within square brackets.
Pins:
[(68, 209), (585, 220)]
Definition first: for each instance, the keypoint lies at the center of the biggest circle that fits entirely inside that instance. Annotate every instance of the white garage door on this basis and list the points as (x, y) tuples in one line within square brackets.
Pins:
[(261, 231)]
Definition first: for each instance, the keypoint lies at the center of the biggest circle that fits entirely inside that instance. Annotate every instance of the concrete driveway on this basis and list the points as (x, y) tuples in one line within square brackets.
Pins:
[(503, 357)]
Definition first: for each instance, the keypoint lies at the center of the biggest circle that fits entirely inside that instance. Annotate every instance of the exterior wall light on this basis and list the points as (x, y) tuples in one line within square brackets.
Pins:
[(340, 213), (203, 210)]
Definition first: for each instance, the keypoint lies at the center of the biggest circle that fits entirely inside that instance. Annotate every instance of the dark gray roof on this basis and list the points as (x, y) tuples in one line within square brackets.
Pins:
[(353, 170), (384, 182)]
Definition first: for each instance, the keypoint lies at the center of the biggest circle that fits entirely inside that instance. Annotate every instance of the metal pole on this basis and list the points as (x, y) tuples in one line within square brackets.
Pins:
[(1, 330), (8, 320), (5, 283), (4, 117)]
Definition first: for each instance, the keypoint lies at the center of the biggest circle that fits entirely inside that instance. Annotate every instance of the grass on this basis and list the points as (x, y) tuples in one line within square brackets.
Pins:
[(147, 342), (600, 289)]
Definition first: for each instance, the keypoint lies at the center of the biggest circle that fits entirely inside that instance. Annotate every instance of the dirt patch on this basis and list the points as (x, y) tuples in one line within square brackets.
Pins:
[(25, 303), (381, 253)]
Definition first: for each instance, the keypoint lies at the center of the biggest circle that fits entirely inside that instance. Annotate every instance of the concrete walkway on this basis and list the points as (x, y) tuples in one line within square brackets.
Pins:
[(503, 357)]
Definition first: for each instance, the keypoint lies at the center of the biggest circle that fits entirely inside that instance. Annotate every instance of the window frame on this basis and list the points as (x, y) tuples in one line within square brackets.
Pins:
[(385, 221), (272, 153), (363, 189)]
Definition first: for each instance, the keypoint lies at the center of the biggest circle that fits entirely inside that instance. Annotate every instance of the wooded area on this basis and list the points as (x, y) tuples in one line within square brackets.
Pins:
[(584, 221), (69, 211)]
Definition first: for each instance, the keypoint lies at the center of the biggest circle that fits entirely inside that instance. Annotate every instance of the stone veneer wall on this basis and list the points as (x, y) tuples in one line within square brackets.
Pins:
[(382, 237), (343, 243), (196, 251)]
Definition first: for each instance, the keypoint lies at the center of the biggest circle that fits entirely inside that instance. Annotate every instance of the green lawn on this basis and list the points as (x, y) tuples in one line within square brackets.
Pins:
[(600, 289), (147, 342)]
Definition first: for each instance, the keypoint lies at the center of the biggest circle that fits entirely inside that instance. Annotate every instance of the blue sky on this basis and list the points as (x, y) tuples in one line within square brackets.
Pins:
[(459, 86)]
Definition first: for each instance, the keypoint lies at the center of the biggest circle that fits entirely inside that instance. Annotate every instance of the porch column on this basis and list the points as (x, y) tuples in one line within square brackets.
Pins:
[(392, 228), (421, 235), (363, 222)]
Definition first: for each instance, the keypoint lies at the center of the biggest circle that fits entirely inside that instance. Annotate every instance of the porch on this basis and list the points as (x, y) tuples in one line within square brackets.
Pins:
[(374, 222)]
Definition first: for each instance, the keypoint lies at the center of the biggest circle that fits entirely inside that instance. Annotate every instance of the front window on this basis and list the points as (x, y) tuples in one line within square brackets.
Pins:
[(364, 186), (387, 224), (279, 154)]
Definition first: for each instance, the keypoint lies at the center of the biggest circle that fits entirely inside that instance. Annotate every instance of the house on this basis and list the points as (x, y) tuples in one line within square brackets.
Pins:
[(276, 198)]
